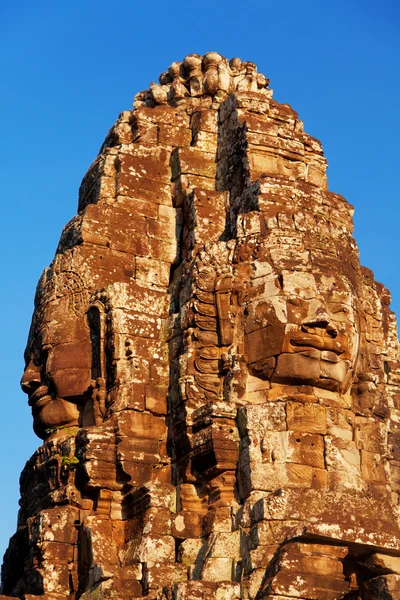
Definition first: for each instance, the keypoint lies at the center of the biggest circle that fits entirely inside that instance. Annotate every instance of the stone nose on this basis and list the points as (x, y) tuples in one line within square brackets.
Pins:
[(318, 321), (30, 380)]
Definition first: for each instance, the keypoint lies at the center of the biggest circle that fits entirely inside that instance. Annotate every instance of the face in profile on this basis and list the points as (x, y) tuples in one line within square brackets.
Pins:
[(302, 329), (58, 356)]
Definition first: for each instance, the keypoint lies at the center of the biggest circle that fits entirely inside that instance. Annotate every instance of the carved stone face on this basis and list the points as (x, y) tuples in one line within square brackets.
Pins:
[(302, 329), (58, 356)]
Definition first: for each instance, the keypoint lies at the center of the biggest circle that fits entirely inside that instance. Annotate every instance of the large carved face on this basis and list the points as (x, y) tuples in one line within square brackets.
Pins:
[(59, 354), (302, 329)]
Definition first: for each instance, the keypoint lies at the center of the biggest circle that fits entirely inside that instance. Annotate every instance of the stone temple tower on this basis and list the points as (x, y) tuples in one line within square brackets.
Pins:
[(214, 376)]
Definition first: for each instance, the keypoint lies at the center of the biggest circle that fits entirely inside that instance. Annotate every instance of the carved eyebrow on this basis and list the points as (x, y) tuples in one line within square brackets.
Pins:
[(340, 308), (27, 355), (340, 297)]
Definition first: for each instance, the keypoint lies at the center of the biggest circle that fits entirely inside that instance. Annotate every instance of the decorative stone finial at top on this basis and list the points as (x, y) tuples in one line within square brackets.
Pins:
[(197, 76)]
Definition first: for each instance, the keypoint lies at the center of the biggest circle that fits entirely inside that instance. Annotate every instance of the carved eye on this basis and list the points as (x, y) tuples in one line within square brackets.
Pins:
[(341, 310), (37, 356), (293, 301), (44, 354), (27, 359)]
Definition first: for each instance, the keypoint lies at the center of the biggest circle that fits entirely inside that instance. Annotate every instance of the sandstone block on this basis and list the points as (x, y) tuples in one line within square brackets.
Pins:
[(262, 556), (147, 163), (158, 576), (140, 425), (372, 467), (155, 521), (217, 520), (205, 120), (149, 549), (98, 532), (306, 418), (206, 215), (218, 569), (56, 578), (270, 533), (187, 524), (307, 585), (258, 419), (164, 114), (385, 587), (384, 564), (228, 591), (190, 498), (205, 141), (57, 552), (152, 271), (271, 477), (194, 162), (226, 545), (171, 135), (301, 448), (195, 590), (191, 551), (138, 473), (145, 188), (156, 399), (254, 582), (55, 525)]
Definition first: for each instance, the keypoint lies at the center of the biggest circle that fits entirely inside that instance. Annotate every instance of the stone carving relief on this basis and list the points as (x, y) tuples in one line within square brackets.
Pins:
[(214, 376), (197, 76)]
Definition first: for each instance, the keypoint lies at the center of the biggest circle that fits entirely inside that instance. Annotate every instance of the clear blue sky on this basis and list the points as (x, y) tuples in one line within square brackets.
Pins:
[(69, 68)]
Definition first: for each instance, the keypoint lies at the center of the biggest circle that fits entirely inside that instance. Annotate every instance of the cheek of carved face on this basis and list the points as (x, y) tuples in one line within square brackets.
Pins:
[(264, 344), (69, 369), (67, 358)]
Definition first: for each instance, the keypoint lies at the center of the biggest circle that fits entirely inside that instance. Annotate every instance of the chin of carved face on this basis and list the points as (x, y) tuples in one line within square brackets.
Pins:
[(49, 413)]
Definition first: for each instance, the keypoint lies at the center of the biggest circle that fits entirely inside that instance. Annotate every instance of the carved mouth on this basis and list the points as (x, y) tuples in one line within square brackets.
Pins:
[(317, 342), (40, 397)]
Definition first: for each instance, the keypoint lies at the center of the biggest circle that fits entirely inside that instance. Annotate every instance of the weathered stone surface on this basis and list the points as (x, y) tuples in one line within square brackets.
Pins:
[(383, 563), (215, 378)]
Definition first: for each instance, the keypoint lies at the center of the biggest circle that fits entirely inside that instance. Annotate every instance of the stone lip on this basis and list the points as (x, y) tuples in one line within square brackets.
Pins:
[(211, 76)]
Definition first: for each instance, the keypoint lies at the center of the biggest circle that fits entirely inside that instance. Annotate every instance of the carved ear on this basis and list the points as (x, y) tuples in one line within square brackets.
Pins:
[(95, 409), (96, 321), (223, 290)]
